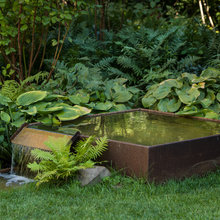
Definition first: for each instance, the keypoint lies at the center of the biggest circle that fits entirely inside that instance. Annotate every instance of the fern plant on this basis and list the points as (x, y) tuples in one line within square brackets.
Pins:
[(60, 164), (12, 89)]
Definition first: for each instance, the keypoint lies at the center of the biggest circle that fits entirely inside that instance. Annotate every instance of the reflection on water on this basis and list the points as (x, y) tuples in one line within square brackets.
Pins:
[(145, 128)]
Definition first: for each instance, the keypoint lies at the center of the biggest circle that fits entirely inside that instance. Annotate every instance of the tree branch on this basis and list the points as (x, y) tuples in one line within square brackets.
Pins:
[(201, 12), (207, 11)]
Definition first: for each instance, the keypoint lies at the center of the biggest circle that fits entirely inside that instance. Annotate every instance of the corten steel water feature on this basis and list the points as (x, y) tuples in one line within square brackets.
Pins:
[(156, 162)]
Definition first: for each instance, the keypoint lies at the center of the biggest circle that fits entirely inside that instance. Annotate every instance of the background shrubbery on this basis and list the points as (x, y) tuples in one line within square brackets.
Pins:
[(106, 56)]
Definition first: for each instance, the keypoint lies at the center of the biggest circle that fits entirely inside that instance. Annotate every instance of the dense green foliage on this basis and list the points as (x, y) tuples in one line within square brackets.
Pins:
[(25, 27), (98, 56), (32, 106), (145, 55), (60, 164), (187, 95)]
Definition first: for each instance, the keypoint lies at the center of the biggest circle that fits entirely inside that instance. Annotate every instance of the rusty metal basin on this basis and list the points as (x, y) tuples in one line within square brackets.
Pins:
[(158, 147)]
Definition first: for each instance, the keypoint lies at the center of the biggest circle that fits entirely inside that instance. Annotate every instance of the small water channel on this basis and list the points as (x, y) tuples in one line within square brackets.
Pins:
[(17, 175), (12, 180)]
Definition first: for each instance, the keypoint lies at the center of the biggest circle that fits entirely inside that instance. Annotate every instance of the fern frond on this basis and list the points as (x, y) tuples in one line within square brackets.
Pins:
[(42, 155), (11, 89), (85, 150), (105, 62), (35, 78), (127, 62)]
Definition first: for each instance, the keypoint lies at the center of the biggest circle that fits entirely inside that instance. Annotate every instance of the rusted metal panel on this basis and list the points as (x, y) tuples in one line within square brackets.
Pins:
[(130, 159), (34, 138), (157, 163), (184, 158)]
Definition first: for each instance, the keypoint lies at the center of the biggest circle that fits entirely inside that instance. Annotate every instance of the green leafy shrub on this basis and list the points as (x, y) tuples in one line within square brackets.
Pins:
[(41, 106), (87, 87), (60, 164), (25, 27), (187, 95)]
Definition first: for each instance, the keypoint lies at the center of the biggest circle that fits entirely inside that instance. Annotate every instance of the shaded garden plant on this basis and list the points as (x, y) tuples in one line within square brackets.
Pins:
[(25, 26), (60, 164), (187, 95)]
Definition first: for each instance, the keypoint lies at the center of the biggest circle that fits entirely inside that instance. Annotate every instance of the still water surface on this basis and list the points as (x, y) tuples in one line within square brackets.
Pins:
[(142, 128)]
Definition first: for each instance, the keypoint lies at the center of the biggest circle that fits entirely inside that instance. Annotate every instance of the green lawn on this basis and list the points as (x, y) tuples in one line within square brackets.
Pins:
[(116, 198)]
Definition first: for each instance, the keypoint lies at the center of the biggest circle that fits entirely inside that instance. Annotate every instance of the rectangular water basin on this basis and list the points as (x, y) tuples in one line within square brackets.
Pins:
[(148, 144)]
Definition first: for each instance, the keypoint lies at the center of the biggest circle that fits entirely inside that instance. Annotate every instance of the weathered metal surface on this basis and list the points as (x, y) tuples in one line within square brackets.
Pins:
[(35, 138), (184, 158), (130, 159), (157, 163)]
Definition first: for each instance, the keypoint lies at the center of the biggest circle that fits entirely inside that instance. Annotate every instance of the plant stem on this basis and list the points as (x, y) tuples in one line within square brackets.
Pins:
[(19, 46), (32, 45), (58, 54)]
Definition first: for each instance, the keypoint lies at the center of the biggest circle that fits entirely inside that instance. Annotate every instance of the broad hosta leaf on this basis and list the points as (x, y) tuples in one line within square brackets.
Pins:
[(31, 97), (218, 96), (103, 106), (80, 98), (173, 105), (31, 111), (151, 90), (121, 94), (119, 107), (52, 97), (162, 105), (18, 123), (41, 105), (209, 99), (51, 108), (162, 91), (71, 113), (188, 96), (4, 100), (211, 73), (81, 110), (172, 83), (202, 95), (49, 121), (189, 110), (17, 115), (75, 99), (149, 101), (5, 117), (215, 107), (46, 121), (121, 97), (211, 114), (193, 78)]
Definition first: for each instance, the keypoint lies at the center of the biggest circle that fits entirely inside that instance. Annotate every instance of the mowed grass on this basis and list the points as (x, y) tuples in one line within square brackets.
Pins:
[(116, 198)]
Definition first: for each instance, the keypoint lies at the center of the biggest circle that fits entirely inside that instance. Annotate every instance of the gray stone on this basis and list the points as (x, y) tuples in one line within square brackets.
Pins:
[(92, 176)]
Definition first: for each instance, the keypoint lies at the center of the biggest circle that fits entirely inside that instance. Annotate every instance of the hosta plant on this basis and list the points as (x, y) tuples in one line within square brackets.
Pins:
[(187, 95), (60, 163)]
